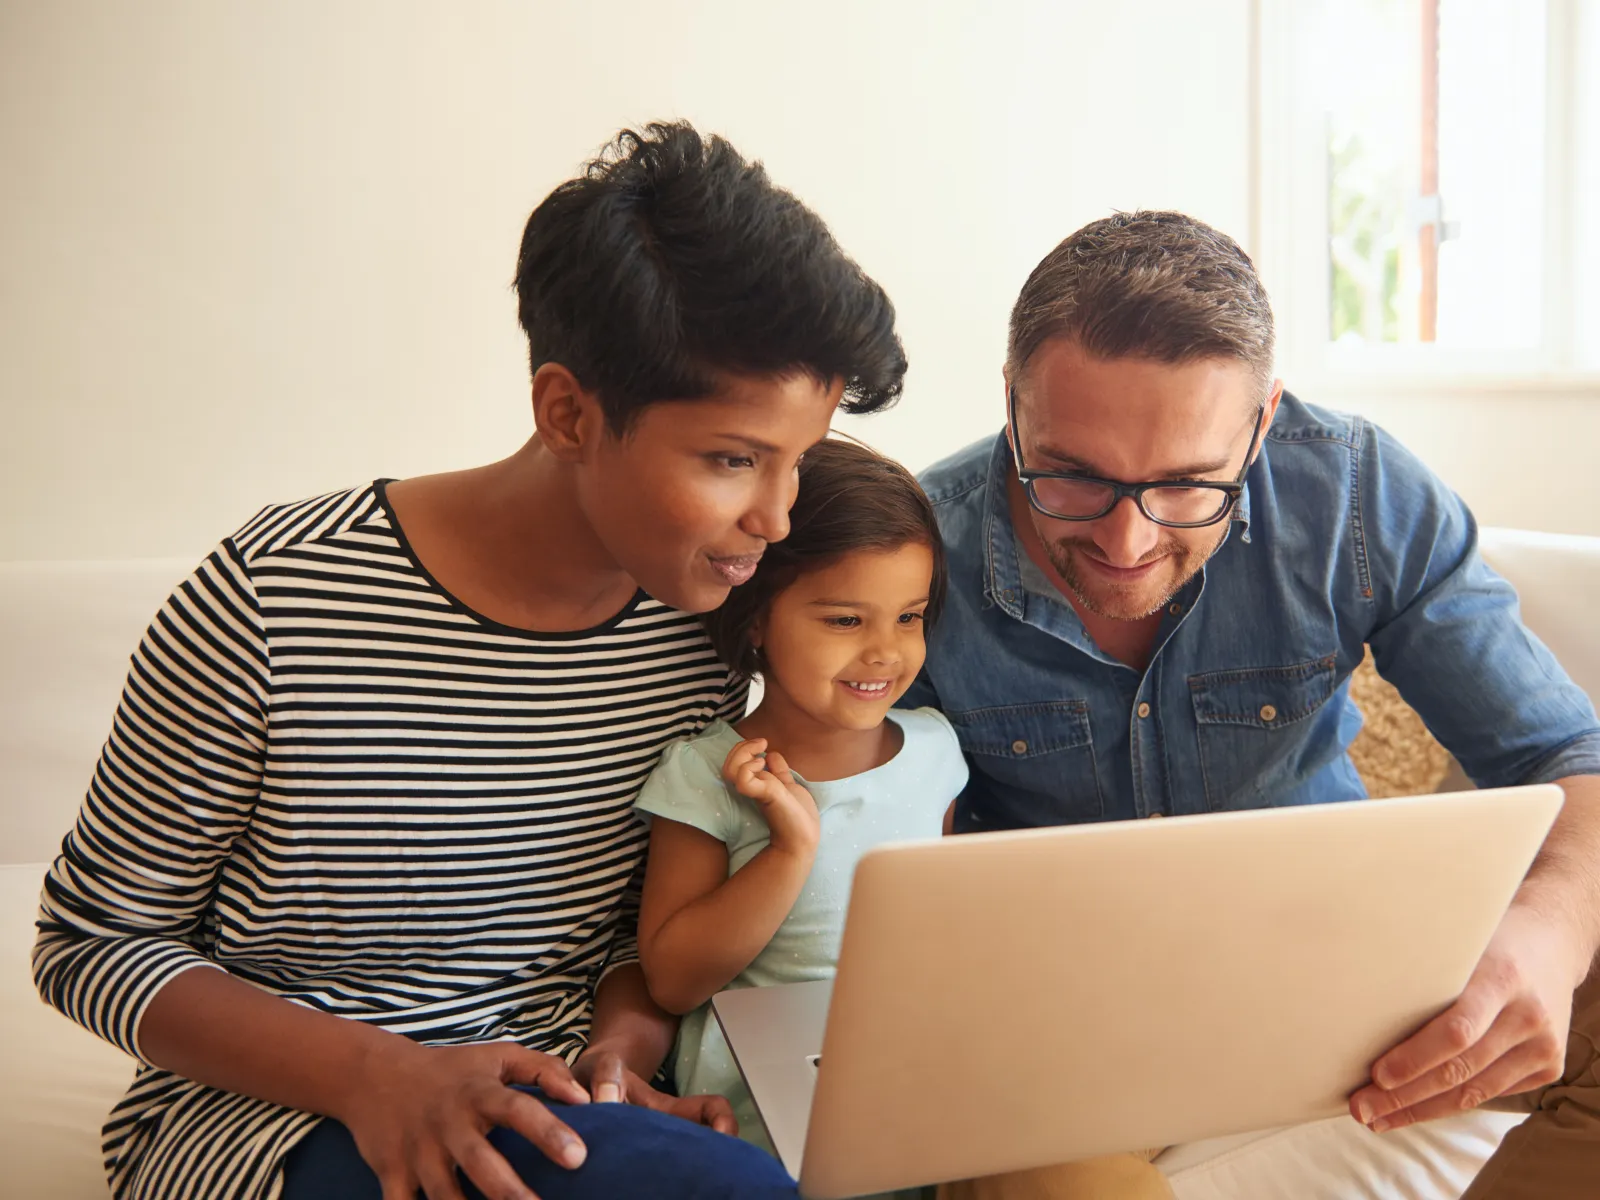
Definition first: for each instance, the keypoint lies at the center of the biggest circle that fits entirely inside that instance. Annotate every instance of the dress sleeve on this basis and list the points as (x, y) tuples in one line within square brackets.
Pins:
[(126, 902), (949, 762), (687, 787)]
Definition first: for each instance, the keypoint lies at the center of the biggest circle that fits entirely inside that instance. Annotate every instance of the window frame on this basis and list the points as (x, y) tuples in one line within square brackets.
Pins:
[(1288, 234)]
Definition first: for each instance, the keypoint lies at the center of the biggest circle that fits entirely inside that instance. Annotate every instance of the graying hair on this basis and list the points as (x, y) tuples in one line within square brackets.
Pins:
[(1153, 285)]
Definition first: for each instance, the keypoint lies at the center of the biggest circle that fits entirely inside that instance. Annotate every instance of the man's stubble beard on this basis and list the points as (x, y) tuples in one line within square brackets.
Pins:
[(1185, 561)]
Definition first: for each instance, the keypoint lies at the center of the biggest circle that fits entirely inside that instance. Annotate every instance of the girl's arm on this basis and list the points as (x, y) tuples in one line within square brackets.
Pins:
[(698, 928)]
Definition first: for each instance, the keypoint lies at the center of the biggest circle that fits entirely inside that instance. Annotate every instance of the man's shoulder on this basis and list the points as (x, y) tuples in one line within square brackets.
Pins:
[(1297, 422), (961, 475)]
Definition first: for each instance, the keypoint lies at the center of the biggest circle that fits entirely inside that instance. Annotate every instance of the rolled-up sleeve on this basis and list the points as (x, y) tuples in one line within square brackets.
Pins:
[(125, 904), (1449, 634)]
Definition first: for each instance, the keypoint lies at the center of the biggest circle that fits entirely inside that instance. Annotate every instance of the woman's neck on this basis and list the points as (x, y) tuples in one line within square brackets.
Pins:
[(816, 750), (511, 542)]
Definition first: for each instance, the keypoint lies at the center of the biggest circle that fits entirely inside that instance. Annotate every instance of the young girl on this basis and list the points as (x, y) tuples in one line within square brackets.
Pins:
[(758, 826)]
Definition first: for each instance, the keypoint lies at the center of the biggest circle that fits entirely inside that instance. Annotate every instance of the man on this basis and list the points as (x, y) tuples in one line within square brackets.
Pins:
[(1164, 571)]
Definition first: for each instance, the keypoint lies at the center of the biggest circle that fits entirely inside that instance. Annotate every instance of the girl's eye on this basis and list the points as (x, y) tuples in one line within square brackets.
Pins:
[(734, 462), (910, 618), (843, 622)]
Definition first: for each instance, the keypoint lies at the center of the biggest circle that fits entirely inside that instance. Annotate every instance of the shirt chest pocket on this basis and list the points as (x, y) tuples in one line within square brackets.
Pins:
[(1036, 760), (1253, 725)]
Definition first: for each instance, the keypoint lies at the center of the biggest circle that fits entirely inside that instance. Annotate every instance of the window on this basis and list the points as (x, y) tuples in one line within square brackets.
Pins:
[(1429, 183)]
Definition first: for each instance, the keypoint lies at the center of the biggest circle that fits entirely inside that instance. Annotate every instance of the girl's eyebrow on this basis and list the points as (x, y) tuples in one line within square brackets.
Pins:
[(860, 603)]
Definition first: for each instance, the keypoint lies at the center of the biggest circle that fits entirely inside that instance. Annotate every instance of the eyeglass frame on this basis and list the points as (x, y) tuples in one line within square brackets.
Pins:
[(1137, 491)]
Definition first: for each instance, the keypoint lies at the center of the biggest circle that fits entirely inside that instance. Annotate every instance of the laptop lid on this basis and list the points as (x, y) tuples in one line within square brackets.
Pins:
[(1011, 1000)]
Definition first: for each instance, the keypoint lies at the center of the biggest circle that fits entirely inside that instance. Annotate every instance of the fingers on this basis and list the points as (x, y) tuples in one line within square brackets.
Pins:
[(521, 1112), (438, 1179), (399, 1184), (779, 767), (487, 1168), (712, 1111), (741, 756), (716, 1112), (544, 1071), (1449, 1035), (608, 1078), (1501, 1078)]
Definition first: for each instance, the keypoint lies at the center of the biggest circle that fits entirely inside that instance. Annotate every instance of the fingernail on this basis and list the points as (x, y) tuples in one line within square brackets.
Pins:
[(608, 1093), (1364, 1111), (1381, 1125), (573, 1154)]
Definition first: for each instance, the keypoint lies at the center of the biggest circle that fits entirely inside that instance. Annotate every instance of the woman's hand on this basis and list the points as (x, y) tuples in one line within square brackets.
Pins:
[(789, 810), (608, 1079), (418, 1113)]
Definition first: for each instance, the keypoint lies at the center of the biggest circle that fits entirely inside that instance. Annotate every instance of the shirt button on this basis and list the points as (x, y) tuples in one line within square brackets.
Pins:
[(1019, 747), (1143, 709), (1268, 713), (1174, 610), (1008, 595)]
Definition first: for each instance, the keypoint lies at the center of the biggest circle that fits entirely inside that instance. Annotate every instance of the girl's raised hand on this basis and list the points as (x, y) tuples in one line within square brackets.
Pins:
[(789, 810)]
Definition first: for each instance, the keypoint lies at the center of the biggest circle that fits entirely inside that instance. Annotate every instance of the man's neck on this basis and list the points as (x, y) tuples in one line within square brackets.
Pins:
[(510, 541), (1129, 642)]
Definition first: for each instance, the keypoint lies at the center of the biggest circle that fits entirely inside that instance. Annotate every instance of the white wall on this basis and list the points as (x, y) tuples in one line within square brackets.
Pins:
[(249, 252), (254, 251)]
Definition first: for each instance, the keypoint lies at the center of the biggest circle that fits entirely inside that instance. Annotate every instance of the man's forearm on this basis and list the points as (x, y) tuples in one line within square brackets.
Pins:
[(1564, 883), (628, 1022)]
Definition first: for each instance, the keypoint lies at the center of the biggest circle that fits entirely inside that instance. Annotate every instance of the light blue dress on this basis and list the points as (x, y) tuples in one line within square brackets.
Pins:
[(904, 798)]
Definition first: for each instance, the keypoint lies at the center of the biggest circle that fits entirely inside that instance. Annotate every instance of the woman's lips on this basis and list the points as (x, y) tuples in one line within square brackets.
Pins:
[(735, 570)]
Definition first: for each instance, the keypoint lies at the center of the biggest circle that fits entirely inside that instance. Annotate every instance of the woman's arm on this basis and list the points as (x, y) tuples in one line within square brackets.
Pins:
[(416, 1112), (698, 928)]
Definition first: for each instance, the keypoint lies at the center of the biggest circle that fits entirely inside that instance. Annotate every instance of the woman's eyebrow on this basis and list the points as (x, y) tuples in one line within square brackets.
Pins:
[(745, 439)]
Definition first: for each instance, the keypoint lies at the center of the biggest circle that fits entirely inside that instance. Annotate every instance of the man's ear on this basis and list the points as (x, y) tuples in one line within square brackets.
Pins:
[(1273, 399), (568, 419)]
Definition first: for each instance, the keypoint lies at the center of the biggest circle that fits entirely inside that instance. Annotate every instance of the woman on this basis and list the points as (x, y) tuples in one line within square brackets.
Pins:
[(376, 757)]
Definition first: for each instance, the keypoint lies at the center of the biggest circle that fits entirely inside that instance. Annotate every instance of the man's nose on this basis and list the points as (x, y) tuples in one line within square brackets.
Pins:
[(1125, 535)]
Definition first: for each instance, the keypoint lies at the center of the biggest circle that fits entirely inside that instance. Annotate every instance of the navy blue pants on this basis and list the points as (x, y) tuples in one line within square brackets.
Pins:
[(632, 1152)]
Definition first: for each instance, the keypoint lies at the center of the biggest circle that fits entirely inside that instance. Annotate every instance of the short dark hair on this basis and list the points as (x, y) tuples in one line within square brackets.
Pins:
[(851, 498), (672, 258), (1156, 285)]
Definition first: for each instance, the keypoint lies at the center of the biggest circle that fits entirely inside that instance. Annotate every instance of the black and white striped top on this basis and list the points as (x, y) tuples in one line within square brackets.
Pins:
[(329, 777)]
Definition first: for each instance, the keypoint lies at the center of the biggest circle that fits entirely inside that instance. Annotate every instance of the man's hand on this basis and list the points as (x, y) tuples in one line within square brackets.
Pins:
[(1506, 1034), (789, 810), (609, 1080), (421, 1112)]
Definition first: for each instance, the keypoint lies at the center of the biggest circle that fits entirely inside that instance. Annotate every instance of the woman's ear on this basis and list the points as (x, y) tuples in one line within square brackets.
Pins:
[(568, 419)]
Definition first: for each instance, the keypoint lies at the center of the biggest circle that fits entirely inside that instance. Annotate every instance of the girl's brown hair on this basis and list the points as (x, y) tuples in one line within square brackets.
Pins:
[(850, 498)]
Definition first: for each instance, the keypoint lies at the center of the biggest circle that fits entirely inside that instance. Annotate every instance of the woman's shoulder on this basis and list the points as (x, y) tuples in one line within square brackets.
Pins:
[(280, 527)]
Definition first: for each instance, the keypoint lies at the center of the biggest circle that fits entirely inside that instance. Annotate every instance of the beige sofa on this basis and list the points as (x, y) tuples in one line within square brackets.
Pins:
[(65, 633)]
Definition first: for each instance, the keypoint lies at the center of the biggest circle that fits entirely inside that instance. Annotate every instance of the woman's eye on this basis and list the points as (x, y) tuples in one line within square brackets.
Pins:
[(734, 462)]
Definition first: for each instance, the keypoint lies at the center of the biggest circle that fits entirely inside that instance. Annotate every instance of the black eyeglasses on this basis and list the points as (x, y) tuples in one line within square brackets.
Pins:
[(1176, 503)]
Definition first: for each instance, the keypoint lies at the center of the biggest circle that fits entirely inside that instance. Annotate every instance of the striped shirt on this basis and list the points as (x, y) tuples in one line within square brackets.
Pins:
[(332, 779)]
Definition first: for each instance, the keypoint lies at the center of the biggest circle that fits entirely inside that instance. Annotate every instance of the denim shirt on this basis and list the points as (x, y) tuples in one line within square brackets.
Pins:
[(1342, 538)]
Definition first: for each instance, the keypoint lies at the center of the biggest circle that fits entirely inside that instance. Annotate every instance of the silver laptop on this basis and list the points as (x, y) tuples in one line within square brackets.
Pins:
[(1010, 1000)]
